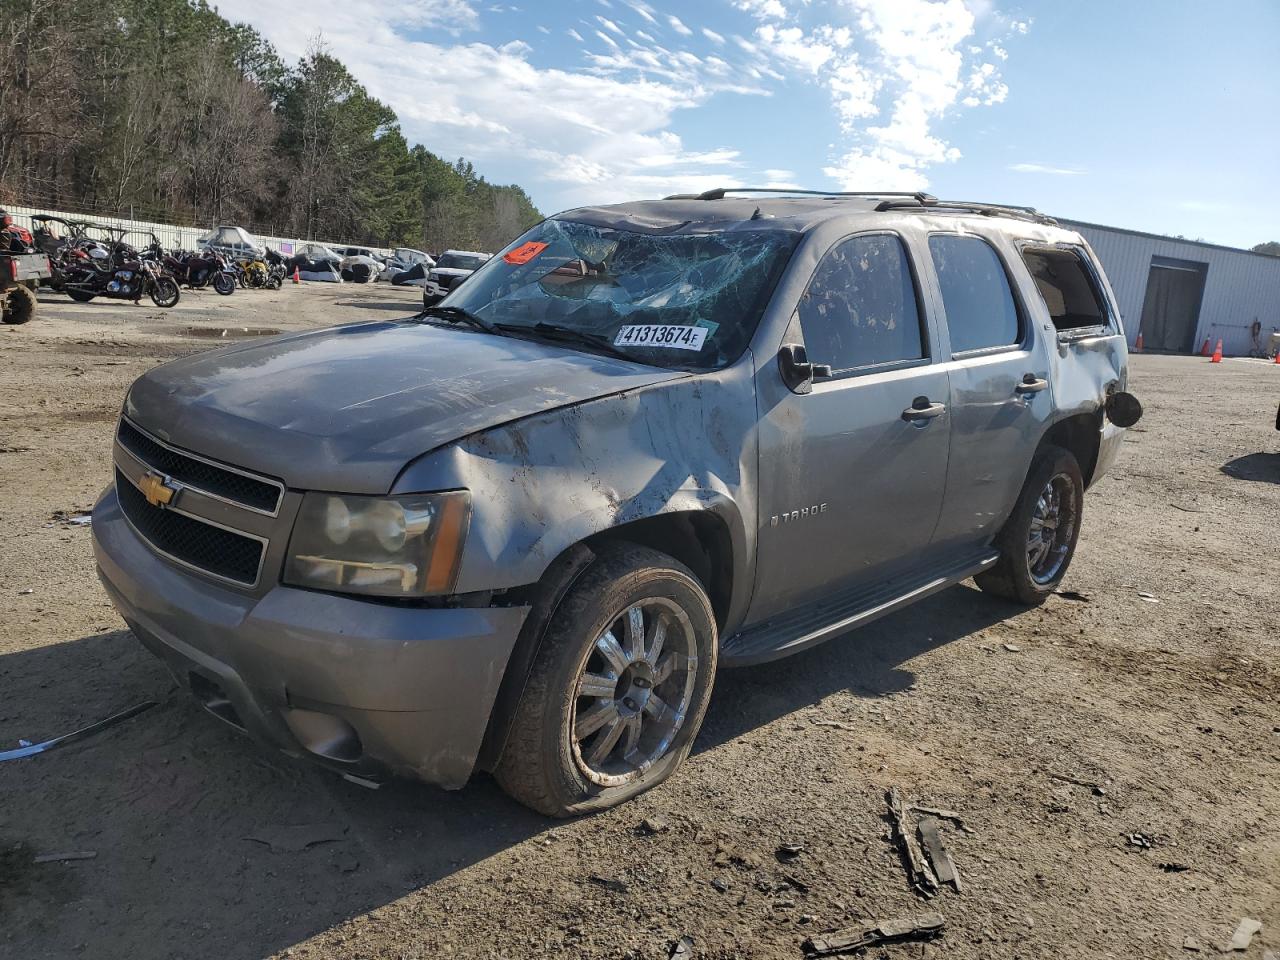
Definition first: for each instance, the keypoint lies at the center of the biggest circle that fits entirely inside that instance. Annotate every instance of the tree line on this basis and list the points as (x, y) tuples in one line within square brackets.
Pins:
[(164, 108)]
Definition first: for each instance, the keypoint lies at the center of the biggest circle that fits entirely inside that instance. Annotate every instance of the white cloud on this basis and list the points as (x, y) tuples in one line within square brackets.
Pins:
[(599, 126), (1044, 168), (542, 29), (764, 9), (645, 11)]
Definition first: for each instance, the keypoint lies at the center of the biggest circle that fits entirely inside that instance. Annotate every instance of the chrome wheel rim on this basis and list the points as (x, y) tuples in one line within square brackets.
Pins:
[(1053, 523), (633, 692)]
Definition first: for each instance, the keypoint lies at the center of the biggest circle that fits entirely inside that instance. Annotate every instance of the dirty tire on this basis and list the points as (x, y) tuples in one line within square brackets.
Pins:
[(538, 765), (80, 296), (165, 293), (224, 283), (20, 305), (1012, 577)]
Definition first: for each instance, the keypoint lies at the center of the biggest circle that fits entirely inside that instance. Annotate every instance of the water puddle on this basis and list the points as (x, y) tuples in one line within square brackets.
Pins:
[(226, 333)]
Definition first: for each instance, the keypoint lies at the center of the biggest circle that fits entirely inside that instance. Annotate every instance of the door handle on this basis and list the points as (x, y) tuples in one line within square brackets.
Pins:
[(921, 409), (1031, 384)]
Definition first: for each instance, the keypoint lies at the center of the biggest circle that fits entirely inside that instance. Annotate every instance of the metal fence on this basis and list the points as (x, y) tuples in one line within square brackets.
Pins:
[(171, 236)]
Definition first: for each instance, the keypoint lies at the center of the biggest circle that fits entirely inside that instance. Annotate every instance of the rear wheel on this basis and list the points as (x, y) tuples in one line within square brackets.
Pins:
[(19, 305), (164, 292), (1039, 538), (618, 688)]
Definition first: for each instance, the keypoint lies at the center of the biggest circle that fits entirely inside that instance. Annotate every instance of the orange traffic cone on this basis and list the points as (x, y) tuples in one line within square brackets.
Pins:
[(1278, 357), (296, 278), (1204, 350), (1217, 353), (1137, 344)]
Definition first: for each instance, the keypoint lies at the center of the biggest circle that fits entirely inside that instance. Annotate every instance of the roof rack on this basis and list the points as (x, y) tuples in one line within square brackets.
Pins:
[(892, 200), (967, 206), (719, 193)]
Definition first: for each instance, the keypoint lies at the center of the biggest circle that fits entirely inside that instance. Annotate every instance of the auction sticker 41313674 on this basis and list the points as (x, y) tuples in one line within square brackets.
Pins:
[(669, 336)]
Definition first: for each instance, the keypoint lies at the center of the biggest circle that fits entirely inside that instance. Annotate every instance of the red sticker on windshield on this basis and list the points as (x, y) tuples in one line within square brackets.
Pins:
[(524, 253)]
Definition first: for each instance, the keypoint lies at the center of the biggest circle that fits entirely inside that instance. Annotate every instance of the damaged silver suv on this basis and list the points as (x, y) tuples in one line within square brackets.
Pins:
[(523, 529)]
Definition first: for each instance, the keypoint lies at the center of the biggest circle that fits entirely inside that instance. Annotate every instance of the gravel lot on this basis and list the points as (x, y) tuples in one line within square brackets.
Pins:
[(1169, 703)]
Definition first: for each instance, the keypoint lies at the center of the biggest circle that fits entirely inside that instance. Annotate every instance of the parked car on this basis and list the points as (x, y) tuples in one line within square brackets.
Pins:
[(359, 265), (310, 250), (232, 241), (522, 530), (451, 269), (403, 259)]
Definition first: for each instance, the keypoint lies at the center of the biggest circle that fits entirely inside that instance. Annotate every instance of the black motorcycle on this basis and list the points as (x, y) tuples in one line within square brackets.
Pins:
[(125, 275), (202, 270)]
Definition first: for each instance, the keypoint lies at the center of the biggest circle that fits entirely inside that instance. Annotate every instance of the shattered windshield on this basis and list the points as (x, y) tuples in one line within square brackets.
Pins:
[(681, 300), (458, 261)]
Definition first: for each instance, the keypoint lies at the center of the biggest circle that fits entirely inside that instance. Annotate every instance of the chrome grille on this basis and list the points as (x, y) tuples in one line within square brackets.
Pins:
[(225, 483), (196, 543)]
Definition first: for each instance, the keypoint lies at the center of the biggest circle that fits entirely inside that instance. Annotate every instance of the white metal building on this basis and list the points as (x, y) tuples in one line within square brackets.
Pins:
[(1181, 293)]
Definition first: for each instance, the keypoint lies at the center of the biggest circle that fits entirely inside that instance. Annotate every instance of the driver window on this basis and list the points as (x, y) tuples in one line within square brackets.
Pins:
[(860, 309)]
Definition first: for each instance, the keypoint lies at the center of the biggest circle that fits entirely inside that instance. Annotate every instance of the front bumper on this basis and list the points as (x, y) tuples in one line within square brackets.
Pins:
[(434, 290), (363, 687)]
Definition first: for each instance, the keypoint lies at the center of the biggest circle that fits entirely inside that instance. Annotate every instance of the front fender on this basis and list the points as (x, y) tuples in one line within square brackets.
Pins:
[(543, 483)]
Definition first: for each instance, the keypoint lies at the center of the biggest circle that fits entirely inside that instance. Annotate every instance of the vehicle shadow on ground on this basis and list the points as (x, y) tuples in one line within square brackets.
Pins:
[(867, 662), (169, 800), (1262, 467), (406, 306)]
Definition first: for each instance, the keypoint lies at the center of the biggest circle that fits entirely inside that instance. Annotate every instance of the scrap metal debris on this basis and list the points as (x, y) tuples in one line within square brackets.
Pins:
[(941, 815), (1096, 788), (788, 852), (682, 949), (69, 855), (1073, 595), (295, 839), (931, 840), (32, 749), (919, 875), (1243, 936), (924, 927), (838, 724)]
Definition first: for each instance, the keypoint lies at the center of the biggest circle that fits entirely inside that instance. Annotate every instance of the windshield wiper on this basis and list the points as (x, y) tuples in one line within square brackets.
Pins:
[(555, 332), (459, 315)]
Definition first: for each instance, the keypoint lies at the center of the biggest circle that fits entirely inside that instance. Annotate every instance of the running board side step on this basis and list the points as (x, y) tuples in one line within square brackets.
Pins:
[(809, 626)]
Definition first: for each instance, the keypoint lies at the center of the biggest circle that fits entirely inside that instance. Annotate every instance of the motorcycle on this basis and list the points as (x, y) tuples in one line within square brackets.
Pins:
[(197, 271), (124, 276)]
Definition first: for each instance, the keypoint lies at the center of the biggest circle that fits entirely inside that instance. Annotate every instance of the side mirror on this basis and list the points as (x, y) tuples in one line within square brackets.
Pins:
[(797, 372), (1123, 409)]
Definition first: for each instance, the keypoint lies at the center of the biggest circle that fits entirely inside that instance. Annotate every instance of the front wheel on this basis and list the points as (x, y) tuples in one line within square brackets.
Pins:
[(164, 292), (618, 688), (18, 306), (224, 284), (1039, 539)]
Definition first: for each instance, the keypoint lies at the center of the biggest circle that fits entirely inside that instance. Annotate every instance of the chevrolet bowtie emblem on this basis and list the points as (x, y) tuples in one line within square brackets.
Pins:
[(155, 487)]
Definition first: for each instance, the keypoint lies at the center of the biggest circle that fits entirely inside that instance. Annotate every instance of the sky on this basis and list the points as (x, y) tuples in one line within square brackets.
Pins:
[(1163, 117)]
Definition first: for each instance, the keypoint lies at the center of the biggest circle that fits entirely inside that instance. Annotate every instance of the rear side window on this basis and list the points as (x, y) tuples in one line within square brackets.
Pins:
[(1067, 287), (860, 308), (981, 312)]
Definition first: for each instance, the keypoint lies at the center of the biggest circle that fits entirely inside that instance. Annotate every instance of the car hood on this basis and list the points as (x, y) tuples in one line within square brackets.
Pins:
[(451, 271), (346, 408)]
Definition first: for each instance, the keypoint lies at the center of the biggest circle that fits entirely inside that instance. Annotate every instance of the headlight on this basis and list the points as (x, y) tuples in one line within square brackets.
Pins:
[(385, 546)]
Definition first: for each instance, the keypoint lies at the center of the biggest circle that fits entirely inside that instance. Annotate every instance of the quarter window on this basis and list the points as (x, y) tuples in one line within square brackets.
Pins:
[(976, 297), (1067, 288), (860, 308)]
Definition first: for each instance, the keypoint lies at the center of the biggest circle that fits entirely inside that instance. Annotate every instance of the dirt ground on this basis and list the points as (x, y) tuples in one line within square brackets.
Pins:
[(1170, 703)]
